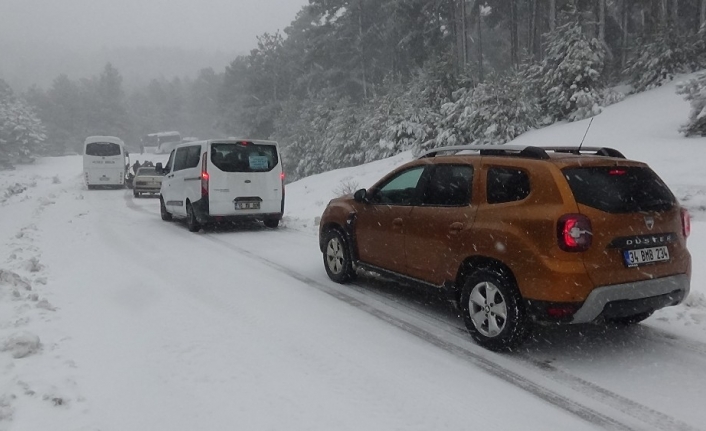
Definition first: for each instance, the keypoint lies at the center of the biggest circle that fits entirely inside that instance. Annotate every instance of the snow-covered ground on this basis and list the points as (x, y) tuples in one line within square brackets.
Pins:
[(111, 319)]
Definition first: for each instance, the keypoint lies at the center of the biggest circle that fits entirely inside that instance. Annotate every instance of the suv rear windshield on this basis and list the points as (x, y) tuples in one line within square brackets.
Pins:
[(619, 189), (102, 149), (244, 157)]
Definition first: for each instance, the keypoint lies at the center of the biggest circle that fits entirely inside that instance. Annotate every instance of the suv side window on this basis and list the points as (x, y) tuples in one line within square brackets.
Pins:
[(400, 190), (449, 185), (507, 185)]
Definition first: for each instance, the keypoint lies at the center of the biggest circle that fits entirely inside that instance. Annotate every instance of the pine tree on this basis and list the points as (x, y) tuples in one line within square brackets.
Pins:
[(21, 131), (660, 57), (695, 92), (569, 79)]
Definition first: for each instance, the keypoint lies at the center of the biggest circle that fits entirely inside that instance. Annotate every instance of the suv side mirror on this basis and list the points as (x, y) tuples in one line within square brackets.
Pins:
[(159, 169), (361, 196)]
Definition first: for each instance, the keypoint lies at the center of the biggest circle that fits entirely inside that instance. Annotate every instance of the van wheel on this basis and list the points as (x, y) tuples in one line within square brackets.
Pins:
[(191, 221), (271, 222), (166, 215), (337, 257), (492, 310), (629, 320), (135, 194)]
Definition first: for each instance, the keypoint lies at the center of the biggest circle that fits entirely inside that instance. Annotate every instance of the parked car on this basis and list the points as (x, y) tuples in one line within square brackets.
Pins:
[(223, 180), (146, 180), (516, 235)]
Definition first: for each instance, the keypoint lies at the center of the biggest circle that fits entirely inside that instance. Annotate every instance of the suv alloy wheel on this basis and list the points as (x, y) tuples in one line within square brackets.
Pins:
[(337, 257), (492, 310)]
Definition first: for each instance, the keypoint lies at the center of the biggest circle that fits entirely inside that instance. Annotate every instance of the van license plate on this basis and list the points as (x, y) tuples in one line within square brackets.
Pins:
[(645, 255), (247, 205)]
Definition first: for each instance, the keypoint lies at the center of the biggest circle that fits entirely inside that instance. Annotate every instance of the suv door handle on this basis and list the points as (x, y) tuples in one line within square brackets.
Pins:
[(397, 222), (456, 227)]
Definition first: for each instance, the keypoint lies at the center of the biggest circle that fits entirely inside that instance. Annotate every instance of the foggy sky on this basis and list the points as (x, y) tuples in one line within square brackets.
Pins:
[(85, 25)]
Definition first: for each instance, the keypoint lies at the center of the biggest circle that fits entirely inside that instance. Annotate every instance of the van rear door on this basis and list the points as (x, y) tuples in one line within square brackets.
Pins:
[(244, 178)]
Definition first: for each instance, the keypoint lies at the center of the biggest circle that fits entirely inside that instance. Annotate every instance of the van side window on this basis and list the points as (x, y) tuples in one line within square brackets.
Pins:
[(187, 157), (168, 166), (180, 158), (507, 185), (193, 157)]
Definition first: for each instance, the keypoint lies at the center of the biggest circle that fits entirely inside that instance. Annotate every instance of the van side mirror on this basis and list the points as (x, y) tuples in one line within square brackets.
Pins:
[(159, 169), (360, 196)]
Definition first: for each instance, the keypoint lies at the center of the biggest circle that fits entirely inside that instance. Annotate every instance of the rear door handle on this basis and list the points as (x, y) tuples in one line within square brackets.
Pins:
[(397, 222)]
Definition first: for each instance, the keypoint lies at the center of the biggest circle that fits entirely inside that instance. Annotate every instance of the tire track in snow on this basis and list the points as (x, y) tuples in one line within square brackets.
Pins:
[(486, 364)]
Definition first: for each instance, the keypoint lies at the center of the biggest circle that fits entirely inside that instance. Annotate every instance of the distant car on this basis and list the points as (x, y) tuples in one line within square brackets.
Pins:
[(146, 180)]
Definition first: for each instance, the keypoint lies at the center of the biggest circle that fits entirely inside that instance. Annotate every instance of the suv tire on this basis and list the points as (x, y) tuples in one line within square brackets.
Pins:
[(492, 310), (337, 257), (166, 215), (191, 222)]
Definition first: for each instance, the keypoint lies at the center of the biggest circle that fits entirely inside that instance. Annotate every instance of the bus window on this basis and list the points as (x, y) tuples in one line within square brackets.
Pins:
[(103, 149)]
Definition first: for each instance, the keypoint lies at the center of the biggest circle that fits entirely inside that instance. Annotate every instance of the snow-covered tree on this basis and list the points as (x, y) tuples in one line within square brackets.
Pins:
[(569, 79), (658, 59), (500, 109), (21, 131), (695, 92)]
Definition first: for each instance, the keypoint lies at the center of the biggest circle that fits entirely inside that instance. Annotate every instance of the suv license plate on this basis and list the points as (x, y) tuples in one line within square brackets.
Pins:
[(247, 205), (645, 255)]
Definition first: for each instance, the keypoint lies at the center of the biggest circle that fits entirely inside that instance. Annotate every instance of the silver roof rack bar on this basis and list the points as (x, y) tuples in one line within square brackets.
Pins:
[(526, 151)]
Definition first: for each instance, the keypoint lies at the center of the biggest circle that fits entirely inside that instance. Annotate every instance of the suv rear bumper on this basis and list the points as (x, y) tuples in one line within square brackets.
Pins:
[(633, 298)]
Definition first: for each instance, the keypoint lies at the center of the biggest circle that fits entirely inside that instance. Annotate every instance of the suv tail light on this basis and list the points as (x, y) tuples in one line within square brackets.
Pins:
[(204, 175), (574, 232), (685, 222)]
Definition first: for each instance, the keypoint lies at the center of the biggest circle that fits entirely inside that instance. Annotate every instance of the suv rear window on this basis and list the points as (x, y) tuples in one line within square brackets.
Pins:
[(619, 189), (244, 157), (102, 149)]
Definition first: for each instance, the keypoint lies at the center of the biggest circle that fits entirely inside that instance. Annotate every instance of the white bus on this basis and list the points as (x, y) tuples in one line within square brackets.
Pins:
[(161, 143), (105, 162)]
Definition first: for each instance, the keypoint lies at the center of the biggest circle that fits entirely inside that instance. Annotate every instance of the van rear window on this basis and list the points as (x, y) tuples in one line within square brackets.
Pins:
[(102, 149), (244, 157), (619, 189)]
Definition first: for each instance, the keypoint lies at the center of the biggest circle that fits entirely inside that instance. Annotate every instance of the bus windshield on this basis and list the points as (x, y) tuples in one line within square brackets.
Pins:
[(103, 149)]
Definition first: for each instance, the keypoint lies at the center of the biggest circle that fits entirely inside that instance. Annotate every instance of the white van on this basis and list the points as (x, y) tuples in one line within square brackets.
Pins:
[(223, 180), (105, 162)]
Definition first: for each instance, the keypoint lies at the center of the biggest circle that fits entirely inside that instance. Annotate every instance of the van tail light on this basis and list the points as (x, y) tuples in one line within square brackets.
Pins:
[(574, 232), (685, 223), (204, 175)]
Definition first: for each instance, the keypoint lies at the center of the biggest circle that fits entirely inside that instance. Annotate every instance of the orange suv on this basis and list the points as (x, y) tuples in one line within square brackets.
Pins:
[(517, 235)]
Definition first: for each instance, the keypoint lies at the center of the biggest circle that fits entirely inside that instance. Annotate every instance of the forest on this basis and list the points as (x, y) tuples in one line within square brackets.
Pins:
[(351, 81)]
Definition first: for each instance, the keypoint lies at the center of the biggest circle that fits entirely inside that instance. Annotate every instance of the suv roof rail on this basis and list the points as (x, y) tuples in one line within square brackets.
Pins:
[(526, 151), (598, 151)]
